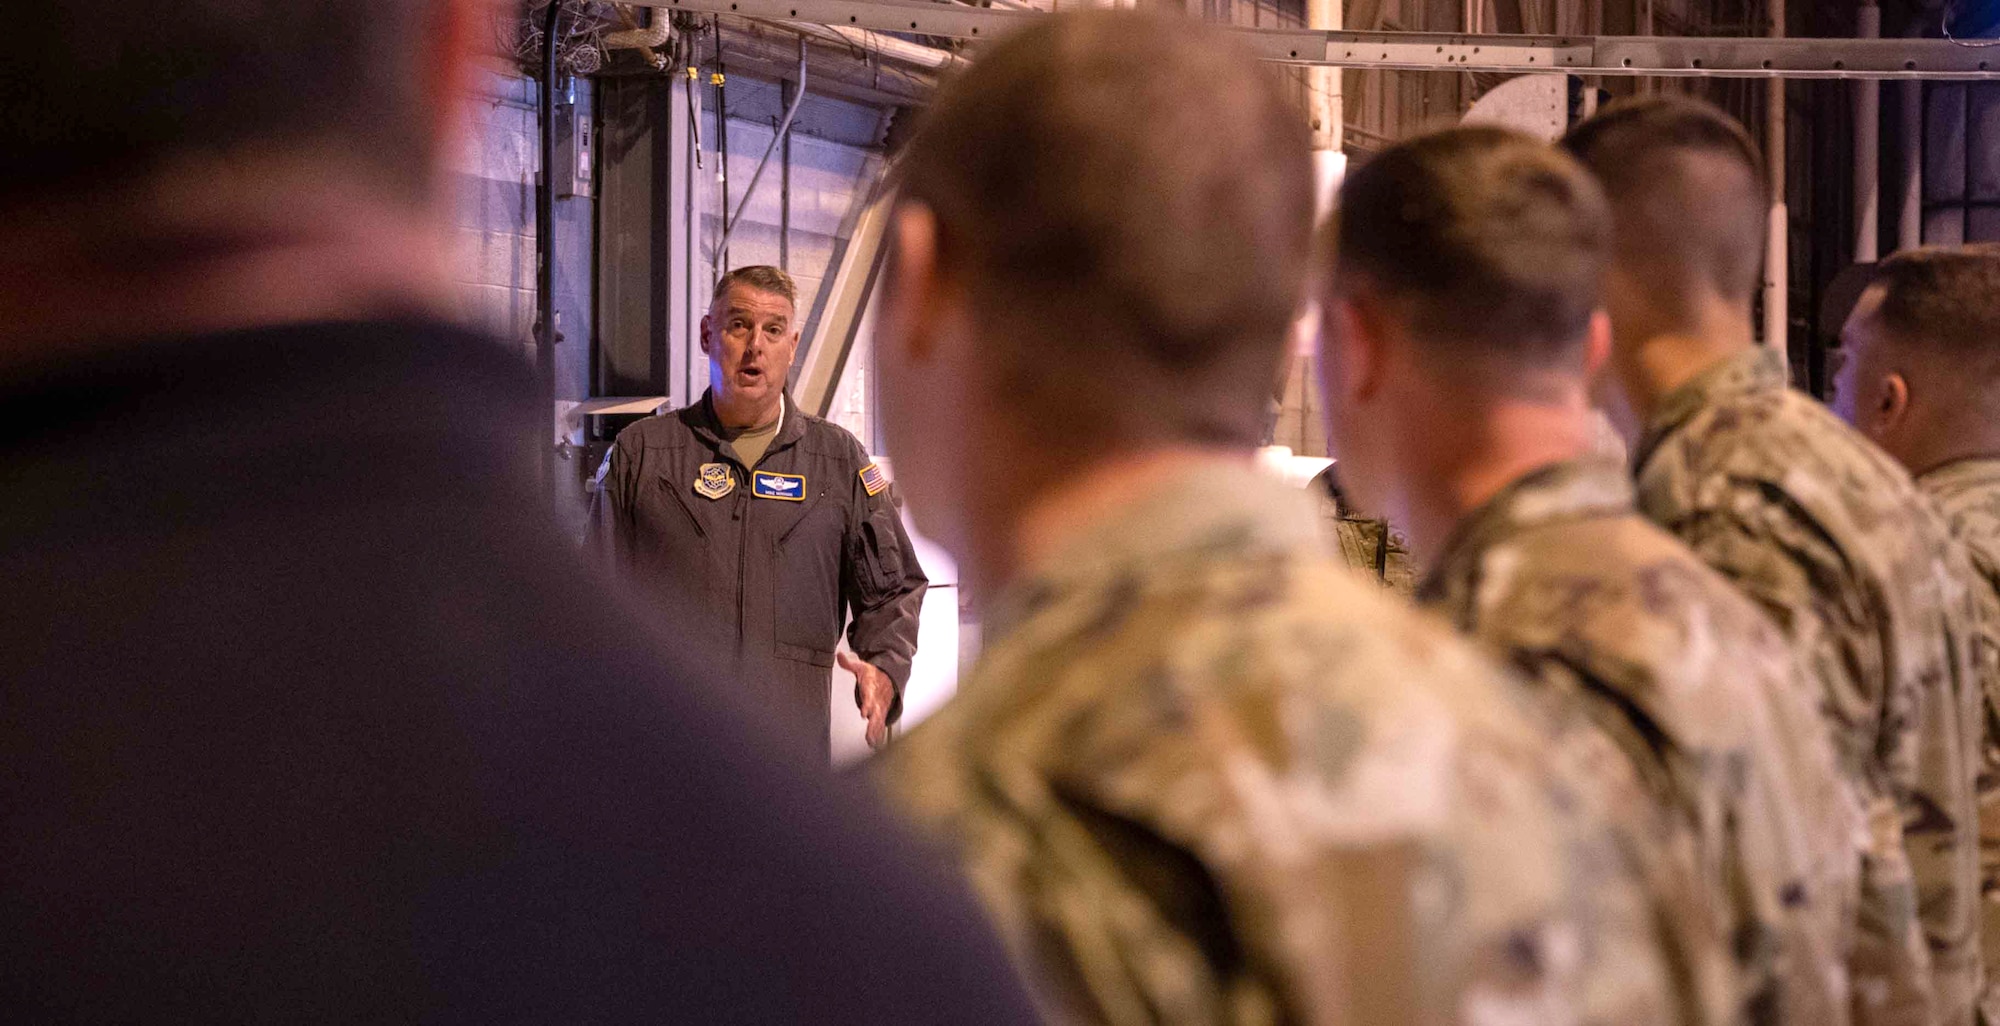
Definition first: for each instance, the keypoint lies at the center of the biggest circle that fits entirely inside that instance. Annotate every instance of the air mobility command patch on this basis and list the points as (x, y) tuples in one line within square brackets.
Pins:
[(765, 484), (716, 481), (873, 480)]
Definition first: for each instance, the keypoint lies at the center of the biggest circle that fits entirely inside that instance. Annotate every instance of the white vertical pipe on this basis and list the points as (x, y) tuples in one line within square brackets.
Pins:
[(1327, 108), (1777, 257), (1867, 147), (1910, 225)]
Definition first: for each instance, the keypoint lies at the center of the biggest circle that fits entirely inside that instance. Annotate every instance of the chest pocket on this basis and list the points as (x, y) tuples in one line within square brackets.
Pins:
[(806, 550)]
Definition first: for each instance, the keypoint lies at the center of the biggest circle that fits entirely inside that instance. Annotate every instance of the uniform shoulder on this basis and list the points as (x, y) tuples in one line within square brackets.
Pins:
[(666, 428), (1305, 646), (825, 436), (1766, 436), (1784, 451), (1624, 603)]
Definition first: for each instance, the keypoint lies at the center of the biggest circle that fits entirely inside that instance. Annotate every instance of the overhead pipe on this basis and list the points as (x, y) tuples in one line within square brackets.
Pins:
[(881, 44), (658, 29), (656, 33), (784, 129)]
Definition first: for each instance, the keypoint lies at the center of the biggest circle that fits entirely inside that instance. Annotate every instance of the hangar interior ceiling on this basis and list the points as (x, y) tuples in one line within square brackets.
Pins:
[(718, 133)]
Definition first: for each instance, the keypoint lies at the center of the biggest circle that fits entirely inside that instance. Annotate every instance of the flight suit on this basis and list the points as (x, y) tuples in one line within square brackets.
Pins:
[(776, 556)]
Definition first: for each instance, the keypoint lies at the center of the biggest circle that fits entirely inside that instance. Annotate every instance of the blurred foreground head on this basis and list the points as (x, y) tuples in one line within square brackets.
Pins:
[(216, 163), (1101, 235), (1463, 275), (1918, 370)]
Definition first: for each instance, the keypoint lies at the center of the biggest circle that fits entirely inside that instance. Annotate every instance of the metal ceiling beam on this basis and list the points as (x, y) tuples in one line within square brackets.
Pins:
[(1677, 56)]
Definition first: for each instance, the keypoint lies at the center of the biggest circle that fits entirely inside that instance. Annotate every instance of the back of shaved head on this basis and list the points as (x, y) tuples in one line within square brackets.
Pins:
[(1126, 199), (1687, 195)]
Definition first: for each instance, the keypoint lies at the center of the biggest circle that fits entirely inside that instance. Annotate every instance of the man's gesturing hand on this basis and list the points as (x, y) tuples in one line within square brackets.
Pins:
[(874, 693)]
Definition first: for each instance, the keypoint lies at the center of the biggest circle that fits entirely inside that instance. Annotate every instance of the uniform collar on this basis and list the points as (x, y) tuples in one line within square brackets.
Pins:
[(701, 419), (1579, 489), (1756, 370), (1965, 472), (1199, 514)]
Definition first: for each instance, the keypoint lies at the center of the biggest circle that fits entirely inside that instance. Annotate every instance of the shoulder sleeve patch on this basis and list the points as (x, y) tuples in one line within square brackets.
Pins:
[(873, 480)]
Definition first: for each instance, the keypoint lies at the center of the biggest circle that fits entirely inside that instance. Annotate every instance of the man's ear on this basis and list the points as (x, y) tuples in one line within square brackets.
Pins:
[(707, 329), (910, 299), (1596, 347), (1353, 343), (1894, 405)]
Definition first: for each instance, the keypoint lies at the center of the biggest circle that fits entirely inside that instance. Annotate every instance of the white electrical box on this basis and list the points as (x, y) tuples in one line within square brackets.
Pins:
[(576, 152)]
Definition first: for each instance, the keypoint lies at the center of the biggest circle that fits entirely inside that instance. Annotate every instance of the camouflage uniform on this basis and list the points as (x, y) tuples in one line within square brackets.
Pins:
[(1830, 536), (1201, 775), (1968, 491), (1562, 576), (1364, 544)]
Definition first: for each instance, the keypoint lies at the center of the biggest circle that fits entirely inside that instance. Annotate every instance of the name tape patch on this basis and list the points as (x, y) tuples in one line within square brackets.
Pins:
[(766, 484), (873, 480)]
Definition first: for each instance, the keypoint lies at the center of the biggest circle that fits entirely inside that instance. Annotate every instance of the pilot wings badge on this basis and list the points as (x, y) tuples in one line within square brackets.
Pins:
[(716, 481)]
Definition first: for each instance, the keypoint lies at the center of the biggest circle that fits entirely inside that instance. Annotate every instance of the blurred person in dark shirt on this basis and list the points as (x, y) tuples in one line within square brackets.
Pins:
[(306, 714)]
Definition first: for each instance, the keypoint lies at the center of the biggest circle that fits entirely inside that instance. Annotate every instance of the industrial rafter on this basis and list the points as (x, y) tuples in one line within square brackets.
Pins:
[(1679, 56)]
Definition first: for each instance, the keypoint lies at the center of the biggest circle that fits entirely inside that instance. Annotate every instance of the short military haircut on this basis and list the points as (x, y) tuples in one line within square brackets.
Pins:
[(100, 96), (1946, 299), (1687, 192), (1126, 201), (763, 278), (1488, 244)]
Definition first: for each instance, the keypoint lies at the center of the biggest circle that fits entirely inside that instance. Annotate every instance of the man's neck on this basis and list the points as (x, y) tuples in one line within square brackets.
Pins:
[(1968, 438), (734, 414), (1662, 358), (1457, 471), (256, 249), (1033, 522)]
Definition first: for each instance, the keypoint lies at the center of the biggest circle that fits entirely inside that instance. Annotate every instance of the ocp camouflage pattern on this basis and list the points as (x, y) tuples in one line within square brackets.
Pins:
[(1967, 491), (1615, 618), (1202, 774), (1832, 539)]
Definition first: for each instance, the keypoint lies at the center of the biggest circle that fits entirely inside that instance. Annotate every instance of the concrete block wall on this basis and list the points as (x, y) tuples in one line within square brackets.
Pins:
[(835, 162), (493, 231)]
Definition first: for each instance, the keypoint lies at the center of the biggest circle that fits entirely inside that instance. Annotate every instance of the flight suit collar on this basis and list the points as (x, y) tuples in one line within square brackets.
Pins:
[(1579, 489), (1758, 369), (702, 421), (1202, 513)]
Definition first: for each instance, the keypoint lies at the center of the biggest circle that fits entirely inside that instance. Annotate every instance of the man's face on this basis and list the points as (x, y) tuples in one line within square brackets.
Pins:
[(749, 338), (1859, 381)]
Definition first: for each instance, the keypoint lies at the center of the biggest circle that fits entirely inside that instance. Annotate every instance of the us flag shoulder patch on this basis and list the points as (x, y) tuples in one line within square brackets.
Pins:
[(873, 480)]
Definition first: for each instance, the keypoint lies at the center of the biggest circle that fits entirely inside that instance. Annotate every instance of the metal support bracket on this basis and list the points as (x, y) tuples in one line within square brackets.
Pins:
[(777, 140), (1678, 56)]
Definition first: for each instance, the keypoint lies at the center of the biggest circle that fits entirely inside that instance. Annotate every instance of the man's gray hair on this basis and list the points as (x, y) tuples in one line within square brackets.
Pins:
[(763, 278)]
